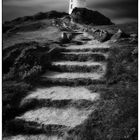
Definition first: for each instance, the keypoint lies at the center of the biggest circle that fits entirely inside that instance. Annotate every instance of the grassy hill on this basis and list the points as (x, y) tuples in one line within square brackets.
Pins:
[(32, 43)]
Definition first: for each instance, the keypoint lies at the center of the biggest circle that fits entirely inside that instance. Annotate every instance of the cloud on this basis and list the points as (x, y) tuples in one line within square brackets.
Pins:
[(31, 3), (16, 8), (117, 10)]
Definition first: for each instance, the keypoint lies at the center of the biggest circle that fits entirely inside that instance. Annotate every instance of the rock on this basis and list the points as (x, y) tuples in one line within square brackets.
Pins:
[(135, 51), (133, 41), (101, 35), (133, 38), (66, 37), (120, 34), (86, 16), (66, 19), (93, 30), (134, 35)]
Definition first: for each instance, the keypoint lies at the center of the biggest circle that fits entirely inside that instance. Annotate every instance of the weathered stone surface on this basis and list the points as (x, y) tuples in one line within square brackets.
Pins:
[(120, 34), (66, 37), (61, 93), (134, 35), (72, 76), (86, 16), (69, 117), (101, 35), (33, 137), (90, 46)]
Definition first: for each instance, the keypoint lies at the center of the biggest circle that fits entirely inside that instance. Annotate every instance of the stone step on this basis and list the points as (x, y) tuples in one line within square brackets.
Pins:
[(76, 66), (86, 53), (69, 78), (34, 137), (72, 75), (62, 93), (50, 120), (60, 97), (84, 56), (88, 47)]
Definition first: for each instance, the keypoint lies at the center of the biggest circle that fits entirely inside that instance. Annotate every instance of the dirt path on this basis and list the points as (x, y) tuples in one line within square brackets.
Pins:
[(54, 110)]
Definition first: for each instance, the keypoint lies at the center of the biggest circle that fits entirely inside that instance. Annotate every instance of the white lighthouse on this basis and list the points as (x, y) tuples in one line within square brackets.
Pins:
[(76, 3)]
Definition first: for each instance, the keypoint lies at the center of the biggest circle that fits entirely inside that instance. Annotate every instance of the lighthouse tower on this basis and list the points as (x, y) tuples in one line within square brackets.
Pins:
[(76, 3)]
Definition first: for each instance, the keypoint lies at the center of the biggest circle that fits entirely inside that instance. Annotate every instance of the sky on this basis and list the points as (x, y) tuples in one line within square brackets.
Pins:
[(119, 11)]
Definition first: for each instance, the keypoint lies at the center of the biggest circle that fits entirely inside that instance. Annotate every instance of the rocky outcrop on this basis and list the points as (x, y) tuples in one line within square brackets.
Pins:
[(120, 34), (101, 35), (86, 16), (65, 37)]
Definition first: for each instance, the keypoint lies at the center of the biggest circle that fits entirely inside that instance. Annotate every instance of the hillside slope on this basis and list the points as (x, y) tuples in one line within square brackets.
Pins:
[(61, 83)]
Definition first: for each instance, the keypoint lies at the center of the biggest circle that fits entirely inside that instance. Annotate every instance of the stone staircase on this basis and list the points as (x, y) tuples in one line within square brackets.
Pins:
[(67, 103)]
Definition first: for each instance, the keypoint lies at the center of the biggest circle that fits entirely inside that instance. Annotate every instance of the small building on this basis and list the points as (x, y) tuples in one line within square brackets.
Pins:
[(76, 3)]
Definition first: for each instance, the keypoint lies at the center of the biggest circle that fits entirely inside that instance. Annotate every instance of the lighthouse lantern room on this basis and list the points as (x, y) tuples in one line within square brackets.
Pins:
[(76, 3)]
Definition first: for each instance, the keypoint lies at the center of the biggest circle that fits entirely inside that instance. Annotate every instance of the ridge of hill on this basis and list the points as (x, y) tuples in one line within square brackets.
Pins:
[(64, 80), (39, 16), (87, 16), (77, 16)]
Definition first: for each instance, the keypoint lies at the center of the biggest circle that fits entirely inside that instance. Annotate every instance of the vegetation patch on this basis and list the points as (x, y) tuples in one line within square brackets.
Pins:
[(84, 57), (26, 61), (8, 25), (22, 65), (13, 92), (116, 116)]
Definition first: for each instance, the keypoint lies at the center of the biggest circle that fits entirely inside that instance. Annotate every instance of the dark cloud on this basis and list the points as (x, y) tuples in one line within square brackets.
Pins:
[(119, 11)]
